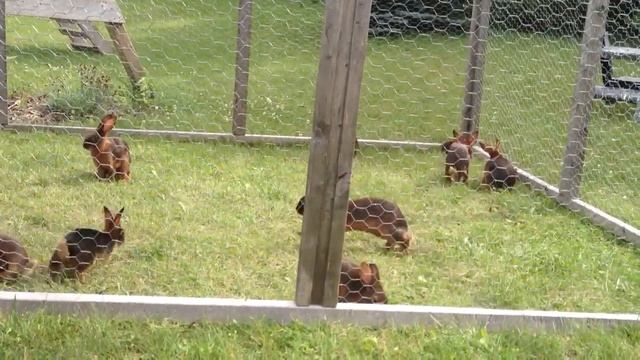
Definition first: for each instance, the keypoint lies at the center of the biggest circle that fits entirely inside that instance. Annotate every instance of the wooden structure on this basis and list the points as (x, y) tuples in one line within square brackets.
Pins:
[(571, 175), (479, 29), (190, 310), (618, 88), (84, 36), (75, 19), (344, 43), (243, 50)]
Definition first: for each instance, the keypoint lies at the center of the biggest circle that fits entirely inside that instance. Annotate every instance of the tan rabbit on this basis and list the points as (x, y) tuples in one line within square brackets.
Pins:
[(360, 284), (78, 251), (376, 216), (111, 155), (14, 260)]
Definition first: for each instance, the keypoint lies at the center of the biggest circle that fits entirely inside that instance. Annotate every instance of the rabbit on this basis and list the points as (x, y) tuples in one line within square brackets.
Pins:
[(14, 260), (499, 172), (360, 284), (78, 251), (111, 155), (376, 216), (459, 152)]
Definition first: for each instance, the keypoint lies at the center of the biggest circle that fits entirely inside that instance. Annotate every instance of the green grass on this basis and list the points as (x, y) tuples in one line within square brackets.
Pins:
[(412, 86), (42, 336), (218, 220)]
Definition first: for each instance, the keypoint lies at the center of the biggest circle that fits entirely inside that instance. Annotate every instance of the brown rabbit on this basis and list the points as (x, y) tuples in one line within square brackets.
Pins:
[(77, 252), (360, 284), (110, 154), (14, 260), (375, 216), (499, 172), (458, 150)]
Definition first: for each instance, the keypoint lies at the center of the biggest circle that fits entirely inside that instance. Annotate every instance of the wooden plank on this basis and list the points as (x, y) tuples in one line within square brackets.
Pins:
[(332, 146), (478, 33), (617, 94), (317, 216), (91, 10), (622, 52), (594, 30), (81, 42), (91, 32), (355, 65), (126, 52), (4, 96), (243, 51), (66, 26), (189, 310), (220, 137)]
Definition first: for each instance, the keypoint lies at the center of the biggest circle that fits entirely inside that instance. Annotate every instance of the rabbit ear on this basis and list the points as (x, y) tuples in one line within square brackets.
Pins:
[(366, 273), (455, 133), (107, 212), (108, 218), (107, 124), (116, 219), (497, 144), (482, 145), (475, 135)]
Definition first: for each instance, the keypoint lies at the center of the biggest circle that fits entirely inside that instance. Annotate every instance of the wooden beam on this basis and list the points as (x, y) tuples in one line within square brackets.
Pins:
[(329, 171), (594, 30), (220, 137), (4, 93), (90, 10), (243, 51), (478, 33), (189, 310), (126, 52), (90, 31)]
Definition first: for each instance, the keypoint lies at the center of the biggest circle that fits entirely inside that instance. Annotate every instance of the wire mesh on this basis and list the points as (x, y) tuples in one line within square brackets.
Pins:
[(217, 219)]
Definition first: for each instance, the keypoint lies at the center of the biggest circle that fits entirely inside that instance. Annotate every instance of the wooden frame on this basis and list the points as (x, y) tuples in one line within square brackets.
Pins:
[(243, 51), (594, 31), (344, 42), (4, 93), (106, 11), (189, 309), (478, 33)]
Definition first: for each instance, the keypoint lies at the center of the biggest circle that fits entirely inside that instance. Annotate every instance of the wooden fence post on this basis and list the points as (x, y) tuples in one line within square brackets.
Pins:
[(342, 58), (243, 50), (478, 33), (594, 29), (4, 93)]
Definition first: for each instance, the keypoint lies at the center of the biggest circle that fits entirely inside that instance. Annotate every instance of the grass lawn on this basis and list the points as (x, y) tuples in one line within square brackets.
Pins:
[(42, 337), (218, 219)]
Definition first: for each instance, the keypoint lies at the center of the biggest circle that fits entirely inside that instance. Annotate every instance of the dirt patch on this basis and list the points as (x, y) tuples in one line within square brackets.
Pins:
[(32, 110)]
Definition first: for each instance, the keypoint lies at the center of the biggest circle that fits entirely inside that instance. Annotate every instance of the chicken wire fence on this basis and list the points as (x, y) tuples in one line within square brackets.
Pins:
[(218, 219)]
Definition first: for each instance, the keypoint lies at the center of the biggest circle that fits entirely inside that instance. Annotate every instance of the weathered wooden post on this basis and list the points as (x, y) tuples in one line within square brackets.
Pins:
[(594, 28), (243, 50), (478, 33), (126, 52), (4, 93), (344, 41)]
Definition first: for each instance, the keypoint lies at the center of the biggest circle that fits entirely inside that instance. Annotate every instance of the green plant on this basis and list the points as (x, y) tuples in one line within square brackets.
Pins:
[(142, 94), (93, 93)]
